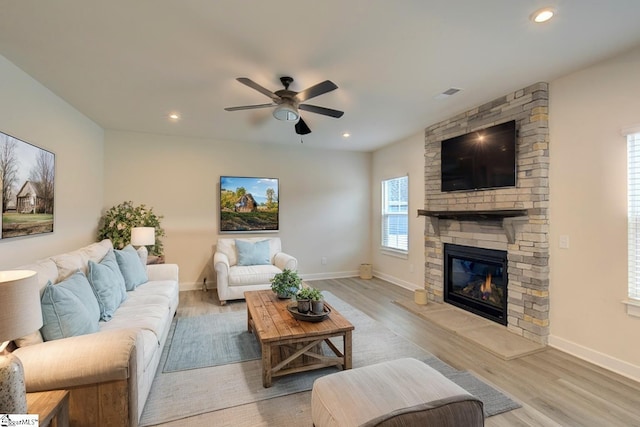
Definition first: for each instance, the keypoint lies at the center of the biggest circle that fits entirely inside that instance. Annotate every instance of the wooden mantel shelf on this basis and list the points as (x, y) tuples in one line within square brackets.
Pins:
[(508, 218)]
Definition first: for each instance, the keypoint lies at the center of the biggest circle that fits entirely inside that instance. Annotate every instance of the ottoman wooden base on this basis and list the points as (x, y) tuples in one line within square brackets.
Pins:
[(402, 392)]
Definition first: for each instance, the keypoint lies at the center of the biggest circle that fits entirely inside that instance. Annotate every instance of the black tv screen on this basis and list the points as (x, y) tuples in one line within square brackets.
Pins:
[(482, 159)]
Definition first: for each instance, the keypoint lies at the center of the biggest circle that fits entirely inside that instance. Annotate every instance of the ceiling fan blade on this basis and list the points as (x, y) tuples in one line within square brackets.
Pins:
[(256, 86), (302, 128), (321, 110), (313, 91), (250, 107)]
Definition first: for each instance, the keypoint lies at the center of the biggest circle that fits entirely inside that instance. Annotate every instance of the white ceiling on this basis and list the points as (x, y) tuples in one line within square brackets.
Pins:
[(128, 64)]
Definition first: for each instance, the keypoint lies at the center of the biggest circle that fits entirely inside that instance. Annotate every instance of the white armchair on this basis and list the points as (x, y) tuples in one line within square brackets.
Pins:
[(248, 264)]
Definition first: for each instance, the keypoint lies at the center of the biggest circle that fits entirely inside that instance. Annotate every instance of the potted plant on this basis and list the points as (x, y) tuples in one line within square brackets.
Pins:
[(317, 301), (286, 284), (310, 299), (116, 224), (304, 300)]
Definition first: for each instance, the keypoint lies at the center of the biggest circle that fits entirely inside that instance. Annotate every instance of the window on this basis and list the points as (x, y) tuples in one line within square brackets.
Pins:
[(395, 214), (633, 220)]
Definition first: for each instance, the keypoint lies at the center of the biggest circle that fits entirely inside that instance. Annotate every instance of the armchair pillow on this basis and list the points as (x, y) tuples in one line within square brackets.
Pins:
[(69, 308), (253, 253)]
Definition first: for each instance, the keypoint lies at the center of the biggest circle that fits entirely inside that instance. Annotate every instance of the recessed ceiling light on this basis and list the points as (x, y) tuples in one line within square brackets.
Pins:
[(542, 15), (346, 135), (174, 116)]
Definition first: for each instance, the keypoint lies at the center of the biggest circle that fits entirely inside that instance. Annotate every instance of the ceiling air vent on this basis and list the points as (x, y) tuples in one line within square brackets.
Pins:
[(447, 93)]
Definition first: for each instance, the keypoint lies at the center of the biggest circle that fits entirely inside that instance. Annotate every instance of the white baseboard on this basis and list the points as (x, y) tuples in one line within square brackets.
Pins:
[(396, 281), (191, 286), (597, 358), (196, 286), (325, 276)]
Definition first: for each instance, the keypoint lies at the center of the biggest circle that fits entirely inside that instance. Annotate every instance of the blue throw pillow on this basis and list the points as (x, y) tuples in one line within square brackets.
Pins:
[(69, 308), (131, 267), (107, 284), (250, 253)]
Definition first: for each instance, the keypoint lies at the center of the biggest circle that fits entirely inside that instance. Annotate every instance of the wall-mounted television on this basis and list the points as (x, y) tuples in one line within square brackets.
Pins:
[(479, 160)]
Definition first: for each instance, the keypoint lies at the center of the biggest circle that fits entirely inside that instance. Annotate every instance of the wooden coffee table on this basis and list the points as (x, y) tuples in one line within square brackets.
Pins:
[(290, 345)]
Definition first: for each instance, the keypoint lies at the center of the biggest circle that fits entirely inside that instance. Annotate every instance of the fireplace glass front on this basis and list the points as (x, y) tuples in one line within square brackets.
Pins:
[(476, 280)]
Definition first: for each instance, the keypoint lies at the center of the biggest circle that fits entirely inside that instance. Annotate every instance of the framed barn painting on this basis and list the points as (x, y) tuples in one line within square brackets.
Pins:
[(27, 176), (248, 205)]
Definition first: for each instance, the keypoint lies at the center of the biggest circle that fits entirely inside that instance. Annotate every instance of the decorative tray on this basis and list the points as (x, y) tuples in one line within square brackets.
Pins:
[(308, 317)]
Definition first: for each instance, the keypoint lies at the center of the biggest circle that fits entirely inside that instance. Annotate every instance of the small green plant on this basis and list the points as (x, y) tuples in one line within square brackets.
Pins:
[(304, 294), (117, 222), (312, 294), (287, 283)]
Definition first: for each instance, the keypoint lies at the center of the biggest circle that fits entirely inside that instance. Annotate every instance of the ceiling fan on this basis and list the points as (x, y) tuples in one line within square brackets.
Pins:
[(288, 102)]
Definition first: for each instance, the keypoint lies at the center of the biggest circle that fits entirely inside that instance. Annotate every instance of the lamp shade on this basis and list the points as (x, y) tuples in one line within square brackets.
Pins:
[(142, 236), (20, 314)]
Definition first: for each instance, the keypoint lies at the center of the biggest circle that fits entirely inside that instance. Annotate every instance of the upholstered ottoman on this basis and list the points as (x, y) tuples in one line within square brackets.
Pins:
[(402, 392)]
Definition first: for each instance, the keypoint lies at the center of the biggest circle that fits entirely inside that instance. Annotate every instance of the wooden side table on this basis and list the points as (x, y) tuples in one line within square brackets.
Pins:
[(52, 407), (154, 259)]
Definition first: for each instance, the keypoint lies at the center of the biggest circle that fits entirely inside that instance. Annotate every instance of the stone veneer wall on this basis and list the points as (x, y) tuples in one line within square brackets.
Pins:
[(528, 256)]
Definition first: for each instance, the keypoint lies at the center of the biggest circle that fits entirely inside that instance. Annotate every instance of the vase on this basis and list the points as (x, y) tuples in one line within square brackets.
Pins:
[(304, 306), (317, 307), (283, 295)]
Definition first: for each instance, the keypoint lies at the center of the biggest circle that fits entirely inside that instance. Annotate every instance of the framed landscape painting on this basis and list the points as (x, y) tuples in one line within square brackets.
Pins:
[(248, 205), (27, 176)]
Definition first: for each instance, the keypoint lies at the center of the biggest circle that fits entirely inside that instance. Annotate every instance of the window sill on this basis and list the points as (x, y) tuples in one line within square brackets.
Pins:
[(633, 307), (395, 253)]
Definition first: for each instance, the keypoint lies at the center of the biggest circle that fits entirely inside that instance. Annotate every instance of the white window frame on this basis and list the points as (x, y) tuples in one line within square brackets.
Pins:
[(633, 221), (399, 244)]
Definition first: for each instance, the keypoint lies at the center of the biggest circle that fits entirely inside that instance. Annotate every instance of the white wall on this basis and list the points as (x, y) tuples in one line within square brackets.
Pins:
[(401, 158), (588, 280), (324, 197), (32, 113)]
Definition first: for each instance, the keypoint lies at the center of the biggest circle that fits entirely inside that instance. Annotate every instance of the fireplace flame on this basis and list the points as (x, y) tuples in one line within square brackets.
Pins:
[(485, 288)]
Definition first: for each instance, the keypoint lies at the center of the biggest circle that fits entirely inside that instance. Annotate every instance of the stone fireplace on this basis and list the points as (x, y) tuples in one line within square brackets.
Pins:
[(513, 220)]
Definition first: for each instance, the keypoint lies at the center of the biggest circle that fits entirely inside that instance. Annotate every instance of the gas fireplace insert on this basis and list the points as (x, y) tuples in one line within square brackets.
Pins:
[(475, 279)]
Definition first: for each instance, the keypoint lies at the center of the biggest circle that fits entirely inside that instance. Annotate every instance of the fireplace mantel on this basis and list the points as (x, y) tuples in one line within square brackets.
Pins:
[(508, 218)]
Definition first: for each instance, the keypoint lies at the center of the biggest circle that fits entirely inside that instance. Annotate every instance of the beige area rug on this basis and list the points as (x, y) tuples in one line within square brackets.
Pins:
[(233, 392), (494, 338)]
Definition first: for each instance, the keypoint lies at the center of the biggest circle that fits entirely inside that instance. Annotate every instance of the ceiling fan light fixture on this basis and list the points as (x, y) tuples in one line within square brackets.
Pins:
[(286, 112)]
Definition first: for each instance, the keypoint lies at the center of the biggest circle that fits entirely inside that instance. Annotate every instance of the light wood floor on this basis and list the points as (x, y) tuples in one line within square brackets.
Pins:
[(553, 387)]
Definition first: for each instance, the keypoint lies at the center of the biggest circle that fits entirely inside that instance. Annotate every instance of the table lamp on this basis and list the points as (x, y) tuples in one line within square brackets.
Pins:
[(143, 237), (20, 315)]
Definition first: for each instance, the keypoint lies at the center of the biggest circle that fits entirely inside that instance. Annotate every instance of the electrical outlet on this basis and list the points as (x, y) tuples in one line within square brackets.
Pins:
[(410, 268), (323, 260), (564, 242)]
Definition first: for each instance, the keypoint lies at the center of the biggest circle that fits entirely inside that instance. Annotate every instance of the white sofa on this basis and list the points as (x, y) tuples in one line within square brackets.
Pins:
[(234, 279), (108, 373)]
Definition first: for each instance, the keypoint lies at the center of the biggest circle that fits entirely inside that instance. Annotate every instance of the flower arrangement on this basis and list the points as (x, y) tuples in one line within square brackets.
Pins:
[(116, 224)]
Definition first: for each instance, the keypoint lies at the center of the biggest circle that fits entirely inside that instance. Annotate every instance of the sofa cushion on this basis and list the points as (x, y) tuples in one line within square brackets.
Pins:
[(152, 314), (252, 274), (133, 271), (69, 308), (70, 262), (107, 284), (253, 253)]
